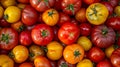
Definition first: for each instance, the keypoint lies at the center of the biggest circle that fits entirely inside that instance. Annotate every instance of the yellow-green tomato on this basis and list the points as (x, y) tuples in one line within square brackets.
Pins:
[(117, 10), (85, 63), (55, 50)]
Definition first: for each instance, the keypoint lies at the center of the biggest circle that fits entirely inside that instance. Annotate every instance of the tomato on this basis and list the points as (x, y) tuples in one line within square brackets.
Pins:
[(117, 10), (23, 1), (12, 14), (6, 61), (85, 63), (42, 61), (115, 58), (74, 21), (81, 15), (53, 63), (68, 33), (73, 53), (21, 6), (50, 17), (35, 51), (90, 1), (109, 50), (62, 63), (42, 5), (103, 36), (19, 53), (55, 50), (42, 34), (55, 29), (114, 3), (84, 42), (29, 15), (1, 12), (85, 29), (97, 13), (71, 6), (104, 63), (4, 23), (7, 3), (58, 5), (96, 55), (8, 38), (25, 38), (26, 64)]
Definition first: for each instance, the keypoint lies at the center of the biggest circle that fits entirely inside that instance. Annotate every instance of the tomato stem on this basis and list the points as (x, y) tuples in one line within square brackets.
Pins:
[(104, 31), (94, 11), (46, 1), (6, 17), (5, 38), (76, 53), (51, 13), (11, 55), (71, 7), (31, 55), (44, 33), (64, 65), (21, 28)]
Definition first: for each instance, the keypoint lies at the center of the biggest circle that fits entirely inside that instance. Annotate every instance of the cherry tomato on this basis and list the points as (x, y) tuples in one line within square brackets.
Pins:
[(7, 3), (26, 64), (104, 63)]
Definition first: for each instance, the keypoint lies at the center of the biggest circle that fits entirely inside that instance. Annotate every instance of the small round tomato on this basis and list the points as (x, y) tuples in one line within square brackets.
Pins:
[(26, 64), (109, 50), (117, 10), (7, 3), (90, 1), (50, 17), (4, 23), (97, 13), (42, 61), (55, 50), (104, 63), (12, 14), (1, 12), (85, 63), (6, 61), (73, 53)]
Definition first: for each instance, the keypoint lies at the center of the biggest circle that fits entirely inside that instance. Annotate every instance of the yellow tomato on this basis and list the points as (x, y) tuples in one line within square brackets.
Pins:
[(109, 50), (20, 53), (1, 12), (50, 17), (7, 3), (21, 5), (117, 10), (97, 13), (6, 61), (85, 63), (85, 42), (54, 50), (12, 14)]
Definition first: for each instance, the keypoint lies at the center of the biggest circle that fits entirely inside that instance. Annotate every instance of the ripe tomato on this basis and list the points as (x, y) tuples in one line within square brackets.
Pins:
[(23, 1), (8, 38), (117, 10), (29, 15), (12, 14), (114, 3), (97, 13), (109, 50), (6, 61), (90, 1), (73, 53), (68, 33), (21, 6), (42, 61), (42, 5), (7, 3), (85, 63), (55, 50), (1, 12), (26, 64), (50, 17), (4, 23), (104, 63), (42, 34)]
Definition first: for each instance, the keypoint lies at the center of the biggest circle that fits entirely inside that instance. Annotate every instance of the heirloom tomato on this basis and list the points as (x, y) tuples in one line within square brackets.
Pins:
[(104, 63), (26, 64), (117, 10), (114, 3), (73, 53), (85, 63), (58, 5), (90, 1), (23, 1), (4, 23), (1, 12), (8, 38), (97, 13), (7, 3), (109, 50)]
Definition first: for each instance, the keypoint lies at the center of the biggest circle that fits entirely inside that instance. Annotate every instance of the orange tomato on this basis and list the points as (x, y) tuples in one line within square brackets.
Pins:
[(1, 12), (6, 3), (109, 50), (73, 53), (26, 64), (21, 5)]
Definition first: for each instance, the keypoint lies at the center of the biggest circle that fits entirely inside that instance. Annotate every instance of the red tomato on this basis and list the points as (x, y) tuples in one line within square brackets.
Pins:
[(8, 38), (29, 15), (103, 36), (68, 33), (23, 1), (96, 54), (114, 2), (55, 29), (74, 21), (42, 34), (58, 4), (104, 63), (90, 1), (42, 5), (71, 6), (4, 23)]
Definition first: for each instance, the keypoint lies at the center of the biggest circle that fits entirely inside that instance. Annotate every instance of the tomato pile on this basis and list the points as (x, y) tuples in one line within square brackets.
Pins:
[(59, 33)]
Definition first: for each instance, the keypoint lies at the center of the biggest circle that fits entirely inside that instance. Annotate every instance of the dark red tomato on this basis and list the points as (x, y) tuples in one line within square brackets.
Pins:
[(114, 3), (4, 23), (63, 18), (115, 58), (29, 15), (63, 63), (30, 27), (114, 22), (103, 36), (42, 34), (85, 29), (25, 38), (23, 1), (58, 4), (90, 1), (42, 5), (53, 63), (55, 29), (4, 51), (104, 63), (96, 54), (71, 6), (74, 21), (8, 38), (68, 33), (109, 7), (40, 18)]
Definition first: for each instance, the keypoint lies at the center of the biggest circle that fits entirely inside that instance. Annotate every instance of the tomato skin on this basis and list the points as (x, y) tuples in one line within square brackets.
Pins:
[(70, 7), (68, 33), (117, 10), (26, 64), (42, 5), (104, 63), (103, 36), (23, 1), (42, 34), (7, 3), (114, 2), (96, 54), (8, 38), (90, 1), (29, 15), (58, 5), (4, 23)]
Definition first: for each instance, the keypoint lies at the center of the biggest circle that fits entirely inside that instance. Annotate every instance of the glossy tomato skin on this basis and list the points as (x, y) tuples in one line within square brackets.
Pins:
[(42, 5), (29, 15), (103, 36), (4, 23), (114, 22), (42, 34), (104, 63), (8, 38), (90, 1), (23, 1), (115, 58), (71, 6), (68, 33), (96, 54)]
